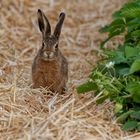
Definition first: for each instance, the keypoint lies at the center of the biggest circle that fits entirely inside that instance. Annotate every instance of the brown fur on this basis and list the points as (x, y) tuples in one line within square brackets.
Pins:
[(50, 73)]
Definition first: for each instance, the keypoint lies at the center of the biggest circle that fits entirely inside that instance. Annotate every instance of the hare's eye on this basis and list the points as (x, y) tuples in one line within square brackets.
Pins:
[(56, 46), (43, 44)]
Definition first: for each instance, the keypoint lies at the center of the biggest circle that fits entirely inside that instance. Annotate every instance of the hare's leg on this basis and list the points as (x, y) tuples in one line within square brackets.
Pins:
[(64, 89)]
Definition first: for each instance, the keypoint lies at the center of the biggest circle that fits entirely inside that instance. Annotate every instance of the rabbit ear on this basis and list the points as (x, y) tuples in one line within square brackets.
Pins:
[(44, 24), (58, 27)]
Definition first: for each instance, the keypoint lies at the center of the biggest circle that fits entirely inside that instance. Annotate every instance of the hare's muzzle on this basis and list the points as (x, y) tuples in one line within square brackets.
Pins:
[(48, 55)]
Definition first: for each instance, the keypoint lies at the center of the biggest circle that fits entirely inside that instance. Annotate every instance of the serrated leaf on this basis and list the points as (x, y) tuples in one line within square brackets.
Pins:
[(129, 125), (124, 116), (134, 89), (124, 71), (117, 22), (133, 24), (128, 38), (131, 9), (117, 14), (136, 33), (131, 52), (133, 27), (86, 87), (131, 13), (138, 127), (119, 57), (135, 67), (134, 21), (136, 97), (111, 35), (135, 115), (116, 31)]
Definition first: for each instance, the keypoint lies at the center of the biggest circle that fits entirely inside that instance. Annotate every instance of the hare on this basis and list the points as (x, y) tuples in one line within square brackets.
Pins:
[(50, 67)]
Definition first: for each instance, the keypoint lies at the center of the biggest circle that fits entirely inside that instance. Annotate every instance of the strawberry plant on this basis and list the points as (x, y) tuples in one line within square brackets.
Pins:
[(118, 77)]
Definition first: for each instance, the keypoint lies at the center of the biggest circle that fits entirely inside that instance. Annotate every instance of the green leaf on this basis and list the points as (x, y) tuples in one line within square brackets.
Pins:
[(131, 13), (138, 127), (114, 31), (122, 118), (135, 115), (115, 28), (86, 87), (124, 71), (133, 27), (117, 22), (136, 33), (119, 57), (133, 24), (131, 52), (131, 9), (136, 97), (117, 14), (134, 21), (135, 67), (134, 89), (129, 125)]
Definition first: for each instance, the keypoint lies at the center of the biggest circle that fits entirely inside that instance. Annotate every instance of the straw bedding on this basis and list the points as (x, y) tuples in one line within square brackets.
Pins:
[(37, 114)]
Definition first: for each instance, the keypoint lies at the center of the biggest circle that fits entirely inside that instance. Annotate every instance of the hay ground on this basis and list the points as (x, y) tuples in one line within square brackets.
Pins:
[(33, 114)]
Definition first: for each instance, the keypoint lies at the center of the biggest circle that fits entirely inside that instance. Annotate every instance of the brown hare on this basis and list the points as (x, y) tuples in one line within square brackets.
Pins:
[(50, 67)]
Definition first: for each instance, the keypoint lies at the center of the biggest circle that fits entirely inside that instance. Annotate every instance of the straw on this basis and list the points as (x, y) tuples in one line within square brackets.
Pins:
[(38, 114)]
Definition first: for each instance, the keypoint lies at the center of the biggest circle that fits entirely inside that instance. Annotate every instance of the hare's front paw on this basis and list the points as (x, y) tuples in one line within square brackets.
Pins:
[(64, 90)]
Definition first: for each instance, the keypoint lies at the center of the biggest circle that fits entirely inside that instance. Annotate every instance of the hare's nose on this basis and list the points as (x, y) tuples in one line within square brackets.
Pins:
[(49, 54)]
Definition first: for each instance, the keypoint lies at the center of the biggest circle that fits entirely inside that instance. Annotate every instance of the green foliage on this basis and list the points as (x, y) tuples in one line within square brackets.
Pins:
[(129, 125), (135, 66), (86, 87), (118, 77)]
